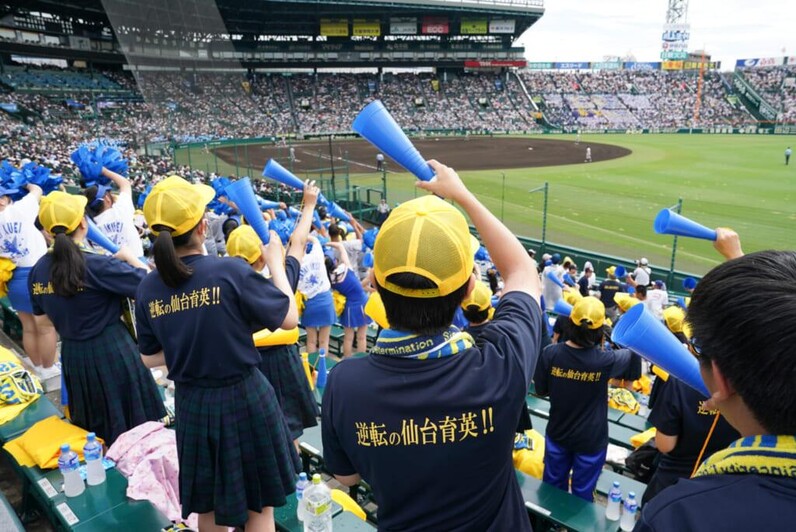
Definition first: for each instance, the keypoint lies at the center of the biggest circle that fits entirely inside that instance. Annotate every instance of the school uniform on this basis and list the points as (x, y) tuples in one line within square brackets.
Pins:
[(23, 244), (353, 315), (577, 432), (680, 411), (110, 390), (282, 366), (234, 446), (314, 284)]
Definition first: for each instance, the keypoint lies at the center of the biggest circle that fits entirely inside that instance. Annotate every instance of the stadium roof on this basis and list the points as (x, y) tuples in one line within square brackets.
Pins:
[(264, 17)]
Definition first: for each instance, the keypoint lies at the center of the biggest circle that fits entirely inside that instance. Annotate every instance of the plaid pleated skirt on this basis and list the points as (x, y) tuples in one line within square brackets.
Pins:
[(110, 390), (282, 366), (234, 448)]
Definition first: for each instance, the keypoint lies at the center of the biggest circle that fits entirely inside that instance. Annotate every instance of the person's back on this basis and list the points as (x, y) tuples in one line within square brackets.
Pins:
[(747, 362), (429, 417)]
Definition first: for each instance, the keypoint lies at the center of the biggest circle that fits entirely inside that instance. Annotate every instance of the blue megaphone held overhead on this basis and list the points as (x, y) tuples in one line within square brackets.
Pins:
[(562, 308), (669, 222), (379, 128), (640, 331), (554, 278), (242, 195), (265, 204), (277, 172), (96, 235)]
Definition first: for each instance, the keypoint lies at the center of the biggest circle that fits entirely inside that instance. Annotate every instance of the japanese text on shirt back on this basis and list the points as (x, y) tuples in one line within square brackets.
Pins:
[(201, 297), (450, 429)]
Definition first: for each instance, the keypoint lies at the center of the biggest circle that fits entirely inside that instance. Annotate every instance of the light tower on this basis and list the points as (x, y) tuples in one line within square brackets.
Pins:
[(677, 12)]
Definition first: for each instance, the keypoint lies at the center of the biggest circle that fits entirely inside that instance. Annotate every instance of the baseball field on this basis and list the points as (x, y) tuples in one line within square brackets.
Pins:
[(605, 206)]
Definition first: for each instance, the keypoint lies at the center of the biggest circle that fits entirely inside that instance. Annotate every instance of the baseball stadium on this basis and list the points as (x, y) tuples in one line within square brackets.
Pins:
[(218, 216)]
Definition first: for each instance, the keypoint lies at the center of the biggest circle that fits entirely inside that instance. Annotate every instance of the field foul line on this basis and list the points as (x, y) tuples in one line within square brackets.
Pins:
[(632, 238), (322, 156)]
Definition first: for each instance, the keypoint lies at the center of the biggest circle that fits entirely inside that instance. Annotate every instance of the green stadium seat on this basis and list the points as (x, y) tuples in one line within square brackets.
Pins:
[(607, 478), (349, 522), (286, 520), (40, 409), (11, 324), (635, 422)]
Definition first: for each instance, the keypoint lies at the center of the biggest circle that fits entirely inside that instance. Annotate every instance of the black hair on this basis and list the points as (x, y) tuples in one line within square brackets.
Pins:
[(740, 316), (229, 225), (335, 230), (329, 263), (170, 267), (95, 205), (491, 276), (582, 335), (473, 315), (322, 212), (641, 290), (419, 315), (68, 268)]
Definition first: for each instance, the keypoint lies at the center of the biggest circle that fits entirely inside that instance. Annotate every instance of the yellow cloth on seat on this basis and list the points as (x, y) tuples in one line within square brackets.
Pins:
[(530, 461), (10, 363), (41, 444), (349, 505), (643, 437), (267, 338)]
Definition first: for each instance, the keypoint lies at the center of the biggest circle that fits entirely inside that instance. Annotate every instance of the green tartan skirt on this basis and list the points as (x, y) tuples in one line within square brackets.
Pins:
[(110, 390), (282, 366), (234, 447)]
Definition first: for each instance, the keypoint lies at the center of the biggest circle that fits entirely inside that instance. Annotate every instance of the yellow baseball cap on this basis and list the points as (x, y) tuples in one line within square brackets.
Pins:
[(571, 296), (428, 237), (177, 204), (589, 310), (243, 242), (481, 297), (611, 270), (625, 301), (59, 209), (674, 317)]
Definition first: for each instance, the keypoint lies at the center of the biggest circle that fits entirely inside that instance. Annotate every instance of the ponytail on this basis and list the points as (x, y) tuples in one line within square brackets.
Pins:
[(68, 268), (170, 267)]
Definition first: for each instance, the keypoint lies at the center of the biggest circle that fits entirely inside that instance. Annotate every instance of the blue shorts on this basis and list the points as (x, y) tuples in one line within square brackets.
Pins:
[(18, 292), (319, 311)]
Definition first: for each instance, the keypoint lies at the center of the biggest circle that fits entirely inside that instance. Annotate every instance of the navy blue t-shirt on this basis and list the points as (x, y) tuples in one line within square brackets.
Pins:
[(205, 325), (723, 502), (679, 411), (433, 437), (577, 382), (608, 289), (99, 304)]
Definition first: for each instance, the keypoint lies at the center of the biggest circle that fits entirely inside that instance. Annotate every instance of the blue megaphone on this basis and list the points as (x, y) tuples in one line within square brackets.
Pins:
[(569, 280), (670, 223), (242, 195), (620, 272), (562, 308), (265, 204), (640, 331), (367, 260), (322, 371), (333, 209), (379, 128), (96, 235), (689, 283), (277, 172), (553, 277), (293, 212)]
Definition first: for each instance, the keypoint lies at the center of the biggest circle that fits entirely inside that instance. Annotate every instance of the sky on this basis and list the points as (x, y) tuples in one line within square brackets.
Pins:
[(588, 30)]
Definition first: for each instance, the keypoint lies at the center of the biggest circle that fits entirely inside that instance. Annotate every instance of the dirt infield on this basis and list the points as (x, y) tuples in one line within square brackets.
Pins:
[(476, 153)]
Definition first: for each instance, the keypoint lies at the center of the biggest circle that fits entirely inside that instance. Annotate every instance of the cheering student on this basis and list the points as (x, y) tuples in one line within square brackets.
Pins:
[(115, 216), (233, 444), (23, 244), (281, 364), (344, 279), (429, 417), (575, 375), (748, 363), (319, 314), (81, 292)]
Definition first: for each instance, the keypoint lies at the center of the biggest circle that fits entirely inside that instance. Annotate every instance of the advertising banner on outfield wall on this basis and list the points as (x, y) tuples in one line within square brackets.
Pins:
[(501, 25), (540, 66), (572, 66), (761, 62), (672, 65), (635, 65), (367, 28), (334, 27), (606, 65), (403, 25), (473, 26), (435, 26), (495, 63)]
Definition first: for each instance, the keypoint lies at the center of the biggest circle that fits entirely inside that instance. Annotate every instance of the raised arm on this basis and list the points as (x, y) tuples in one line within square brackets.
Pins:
[(508, 255), (298, 240), (728, 243), (273, 254), (119, 181)]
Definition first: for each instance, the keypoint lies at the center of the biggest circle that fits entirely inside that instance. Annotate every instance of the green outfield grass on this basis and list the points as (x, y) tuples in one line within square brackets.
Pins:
[(724, 180)]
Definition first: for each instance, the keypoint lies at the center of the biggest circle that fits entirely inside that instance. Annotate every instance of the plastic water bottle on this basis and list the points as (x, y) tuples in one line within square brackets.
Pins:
[(92, 451), (302, 484), (629, 513), (69, 464), (321, 380), (612, 509), (318, 507)]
